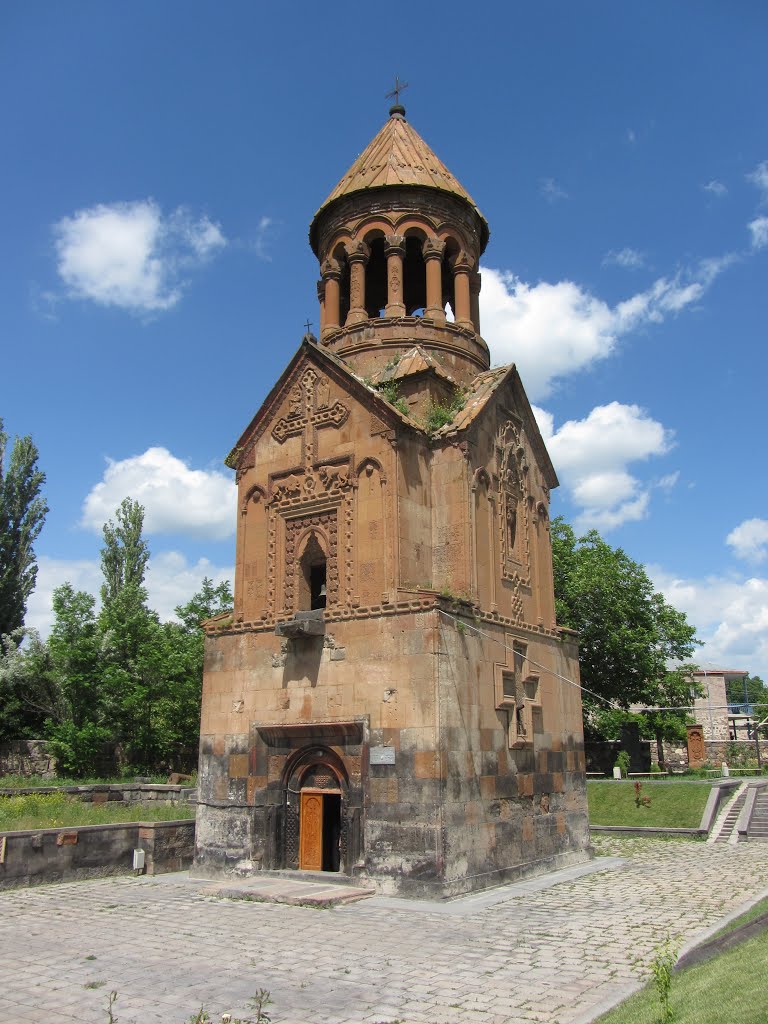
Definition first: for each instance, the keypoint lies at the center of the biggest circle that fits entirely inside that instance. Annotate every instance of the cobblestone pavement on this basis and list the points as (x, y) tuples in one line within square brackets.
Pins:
[(532, 952)]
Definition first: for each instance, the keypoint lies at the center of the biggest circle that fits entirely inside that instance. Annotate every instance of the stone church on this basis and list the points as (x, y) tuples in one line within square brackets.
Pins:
[(391, 697)]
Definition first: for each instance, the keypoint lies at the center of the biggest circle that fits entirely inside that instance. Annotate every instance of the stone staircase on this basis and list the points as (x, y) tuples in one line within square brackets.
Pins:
[(725, 824), (758, 822)]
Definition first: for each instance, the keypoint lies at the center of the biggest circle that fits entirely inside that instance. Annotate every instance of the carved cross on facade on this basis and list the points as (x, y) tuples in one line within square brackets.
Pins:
[(309, 410)]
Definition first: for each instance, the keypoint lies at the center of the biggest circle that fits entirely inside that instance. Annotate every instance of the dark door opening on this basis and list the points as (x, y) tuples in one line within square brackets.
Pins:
[(331, 831)]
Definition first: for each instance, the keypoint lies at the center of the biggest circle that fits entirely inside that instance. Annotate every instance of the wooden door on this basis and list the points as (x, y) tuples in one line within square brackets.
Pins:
[(311, 832)]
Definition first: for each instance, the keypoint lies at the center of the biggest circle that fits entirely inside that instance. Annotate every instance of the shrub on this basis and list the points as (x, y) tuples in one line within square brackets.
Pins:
[(623, 762)]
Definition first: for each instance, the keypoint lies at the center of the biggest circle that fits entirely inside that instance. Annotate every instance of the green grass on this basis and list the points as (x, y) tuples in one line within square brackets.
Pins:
[(58, 810), (759, 908), (673, 804), (728, 988)]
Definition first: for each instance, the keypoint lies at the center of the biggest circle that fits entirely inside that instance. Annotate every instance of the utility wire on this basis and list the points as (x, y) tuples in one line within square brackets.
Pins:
[(611, 704)]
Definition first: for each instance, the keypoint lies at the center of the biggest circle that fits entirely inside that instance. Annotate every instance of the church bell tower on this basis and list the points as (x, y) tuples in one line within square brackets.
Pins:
[(391, 698)]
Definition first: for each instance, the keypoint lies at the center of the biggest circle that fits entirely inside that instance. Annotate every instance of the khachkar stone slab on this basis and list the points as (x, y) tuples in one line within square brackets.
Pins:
[(391, 698), (697, 753)]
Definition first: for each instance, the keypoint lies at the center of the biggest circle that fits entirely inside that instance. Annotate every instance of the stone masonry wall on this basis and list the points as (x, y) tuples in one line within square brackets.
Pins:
[(57, 855)]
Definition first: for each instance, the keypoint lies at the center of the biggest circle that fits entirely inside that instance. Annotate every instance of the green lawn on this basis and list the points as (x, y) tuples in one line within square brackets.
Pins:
[(672, 804), (56, 809), (729, 988)]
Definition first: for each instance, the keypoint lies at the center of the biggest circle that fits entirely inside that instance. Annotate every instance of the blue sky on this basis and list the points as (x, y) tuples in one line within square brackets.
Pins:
[(163, 163)]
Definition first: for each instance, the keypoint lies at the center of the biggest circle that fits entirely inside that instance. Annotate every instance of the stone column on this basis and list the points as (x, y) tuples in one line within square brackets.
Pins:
[(474, 299), (331, 272), (321, 300), (461, 271), (394, 250), (357, 254), (433, 256)]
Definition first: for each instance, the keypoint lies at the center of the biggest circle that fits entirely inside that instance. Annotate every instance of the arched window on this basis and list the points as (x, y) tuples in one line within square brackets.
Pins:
[(340, 255), (313, 576), (414, 277), (376, 278), (449, 288)]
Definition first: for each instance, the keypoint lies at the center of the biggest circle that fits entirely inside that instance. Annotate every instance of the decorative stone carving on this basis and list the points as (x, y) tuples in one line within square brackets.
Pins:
[(308, 411), (433, 249)]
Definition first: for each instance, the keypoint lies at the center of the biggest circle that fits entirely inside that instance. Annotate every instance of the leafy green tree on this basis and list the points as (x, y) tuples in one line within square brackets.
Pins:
[(131, 638), (178, 713), (79, 737), (628, 634), (22, 514), (749, 690), (125, 554), (29, 691)]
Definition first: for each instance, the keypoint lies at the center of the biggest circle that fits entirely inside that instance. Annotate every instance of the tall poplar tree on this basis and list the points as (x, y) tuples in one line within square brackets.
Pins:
[(22, 514)]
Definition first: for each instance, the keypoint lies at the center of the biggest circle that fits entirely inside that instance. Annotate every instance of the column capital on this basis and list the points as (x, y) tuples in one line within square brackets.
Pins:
[(463, 264), (433, 249), (357, 252), (330, 270), (394, 245)]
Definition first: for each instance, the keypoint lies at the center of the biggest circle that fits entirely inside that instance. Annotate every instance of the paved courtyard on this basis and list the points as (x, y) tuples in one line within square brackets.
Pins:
[(536, 951)]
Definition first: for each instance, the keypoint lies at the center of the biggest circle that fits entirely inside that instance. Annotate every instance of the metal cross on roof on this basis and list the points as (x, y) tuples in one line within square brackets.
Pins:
[(308, 324), (399, 87)]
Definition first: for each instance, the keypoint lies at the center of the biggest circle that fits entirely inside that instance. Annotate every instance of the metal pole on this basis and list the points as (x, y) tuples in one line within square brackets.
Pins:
[(758, 727)]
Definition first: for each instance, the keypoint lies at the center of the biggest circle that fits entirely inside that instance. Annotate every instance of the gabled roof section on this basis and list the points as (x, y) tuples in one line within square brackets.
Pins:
[(320, 355), (398, 155), (412, 363), (477, 398)]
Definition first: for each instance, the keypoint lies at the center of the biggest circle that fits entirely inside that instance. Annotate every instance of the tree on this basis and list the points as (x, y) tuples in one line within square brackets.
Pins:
[(178, 714), (628, 634), (750, 690), (125, 554), (22, 514), (29, 692), (131, 636), (80, 734)]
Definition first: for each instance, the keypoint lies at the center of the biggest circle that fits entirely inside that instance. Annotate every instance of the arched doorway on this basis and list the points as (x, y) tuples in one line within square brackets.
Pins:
[(316, 811)]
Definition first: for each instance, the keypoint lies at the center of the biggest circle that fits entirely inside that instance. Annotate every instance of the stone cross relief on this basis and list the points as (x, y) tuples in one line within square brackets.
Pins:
[(309, 410)]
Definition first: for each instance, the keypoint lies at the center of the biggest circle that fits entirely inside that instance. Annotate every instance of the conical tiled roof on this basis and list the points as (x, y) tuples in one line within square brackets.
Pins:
[(398, 155)]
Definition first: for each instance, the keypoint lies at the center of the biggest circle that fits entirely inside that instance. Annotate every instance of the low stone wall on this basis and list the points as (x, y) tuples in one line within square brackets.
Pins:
[(132, 792), (27, 757), (734, 753), (88, 851)]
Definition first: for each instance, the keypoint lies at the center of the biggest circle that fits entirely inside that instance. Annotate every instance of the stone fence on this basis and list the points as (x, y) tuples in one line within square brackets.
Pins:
[(734, 753), (27, 757), (128, 792), (88, 851)]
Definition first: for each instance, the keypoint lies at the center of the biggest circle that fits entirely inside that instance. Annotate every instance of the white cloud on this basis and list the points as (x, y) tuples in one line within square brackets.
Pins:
[(130, 256), (83, 574), (749, 540), (630, 259), (758, 228), (176, 499), (170, 581), (759, 177), (263, 237), (715, 188), (592, 457), (551, 190), (551, 330), (731, 615)]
